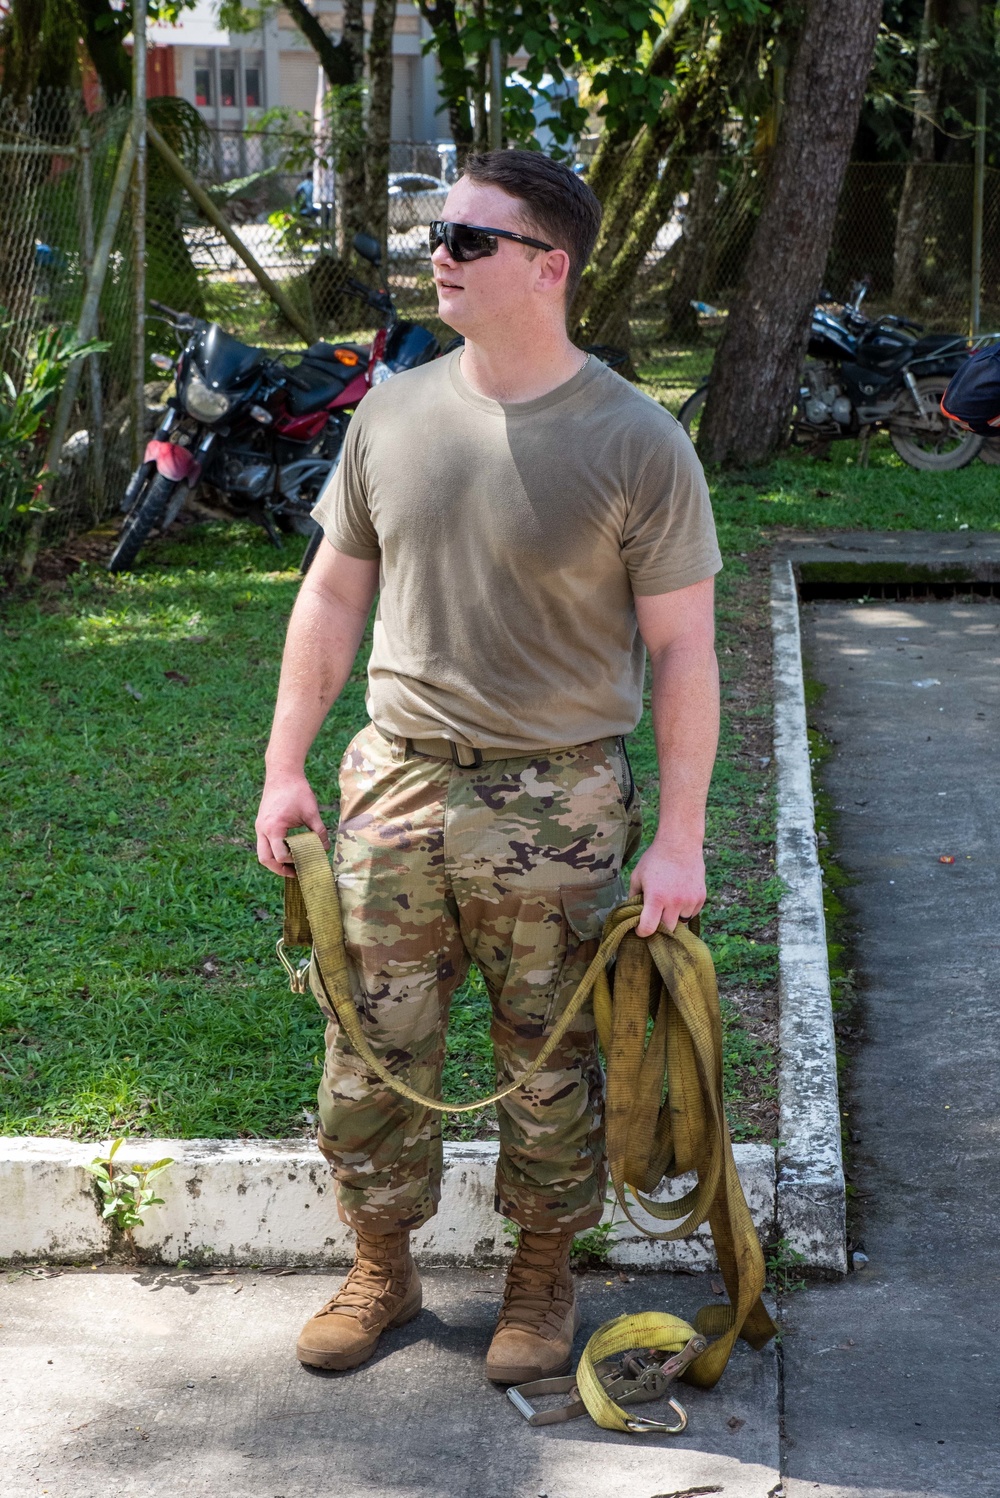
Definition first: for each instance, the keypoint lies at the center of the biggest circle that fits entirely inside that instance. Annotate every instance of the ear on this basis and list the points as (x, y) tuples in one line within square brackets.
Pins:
[(553, 271)]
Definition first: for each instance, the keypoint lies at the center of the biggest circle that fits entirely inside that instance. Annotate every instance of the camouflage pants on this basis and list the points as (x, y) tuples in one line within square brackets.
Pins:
[(513, 865)]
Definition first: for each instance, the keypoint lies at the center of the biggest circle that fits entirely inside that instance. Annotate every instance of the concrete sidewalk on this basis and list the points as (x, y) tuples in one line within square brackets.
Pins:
[(154, 1384), (891, 1379)]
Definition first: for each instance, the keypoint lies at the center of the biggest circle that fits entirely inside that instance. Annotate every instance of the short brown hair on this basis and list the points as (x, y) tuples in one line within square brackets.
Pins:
[(557, 203)]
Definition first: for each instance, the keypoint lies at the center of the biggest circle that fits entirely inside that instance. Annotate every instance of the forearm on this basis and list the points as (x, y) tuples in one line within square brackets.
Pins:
[(685, 711), (324, 633)]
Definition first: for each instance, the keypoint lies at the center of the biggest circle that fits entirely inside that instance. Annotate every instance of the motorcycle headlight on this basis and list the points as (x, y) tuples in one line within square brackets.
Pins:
[(380, 372), (205, 404)]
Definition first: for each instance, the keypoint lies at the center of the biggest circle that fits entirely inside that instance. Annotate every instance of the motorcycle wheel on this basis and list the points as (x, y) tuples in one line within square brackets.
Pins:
[(690, 413), (937, 445), (989, 453), (311, 550), (147, 513)]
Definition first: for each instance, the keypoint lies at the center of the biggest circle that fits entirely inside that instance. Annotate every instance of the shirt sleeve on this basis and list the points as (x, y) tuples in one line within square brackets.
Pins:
[(669, 539), (343, 508)]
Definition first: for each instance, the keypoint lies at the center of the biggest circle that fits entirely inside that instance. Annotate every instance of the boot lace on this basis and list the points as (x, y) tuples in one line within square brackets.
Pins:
[(366, 1286), (535, 1296)]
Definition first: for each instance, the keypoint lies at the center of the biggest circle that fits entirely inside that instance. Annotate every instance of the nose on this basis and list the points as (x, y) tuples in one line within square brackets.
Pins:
[(441, 258)]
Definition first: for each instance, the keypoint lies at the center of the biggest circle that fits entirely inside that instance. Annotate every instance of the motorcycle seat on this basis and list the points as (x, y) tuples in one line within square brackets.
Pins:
[(310, 387), (890, 360)]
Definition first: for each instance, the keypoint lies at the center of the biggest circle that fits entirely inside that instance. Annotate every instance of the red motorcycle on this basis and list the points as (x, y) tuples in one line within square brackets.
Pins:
[(260, 431)]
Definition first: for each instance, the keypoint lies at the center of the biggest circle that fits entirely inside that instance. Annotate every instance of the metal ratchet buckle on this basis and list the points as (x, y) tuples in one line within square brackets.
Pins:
[(636, 1379), (298, 977)]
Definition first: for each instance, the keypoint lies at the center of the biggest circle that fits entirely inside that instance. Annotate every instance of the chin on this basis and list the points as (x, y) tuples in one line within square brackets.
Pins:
[(451, 316)]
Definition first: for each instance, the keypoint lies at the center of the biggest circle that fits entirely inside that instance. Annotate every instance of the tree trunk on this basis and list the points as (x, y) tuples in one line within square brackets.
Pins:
[(757, 367), (343, 63), (643, 196), (349, 133), (103, 35), (379, 123), (680, 319), (337, 59), (638, 178), (607, 319), (442, 18), (911, 222)]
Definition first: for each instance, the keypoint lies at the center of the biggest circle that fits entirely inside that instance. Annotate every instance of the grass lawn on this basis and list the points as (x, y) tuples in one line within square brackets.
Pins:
[(139, 992)]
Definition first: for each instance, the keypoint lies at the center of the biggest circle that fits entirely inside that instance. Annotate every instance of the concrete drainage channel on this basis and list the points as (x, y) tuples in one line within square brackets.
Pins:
[(270, 1202)]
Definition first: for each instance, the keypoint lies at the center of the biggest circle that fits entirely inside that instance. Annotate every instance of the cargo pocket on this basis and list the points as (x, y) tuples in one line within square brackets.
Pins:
[(585, 909)]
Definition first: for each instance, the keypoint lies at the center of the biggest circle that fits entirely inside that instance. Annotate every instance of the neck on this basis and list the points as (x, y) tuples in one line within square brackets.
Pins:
[(520, 365)]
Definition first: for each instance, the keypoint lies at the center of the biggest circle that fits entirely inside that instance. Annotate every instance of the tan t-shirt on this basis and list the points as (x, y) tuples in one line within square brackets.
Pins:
[(512, 540)]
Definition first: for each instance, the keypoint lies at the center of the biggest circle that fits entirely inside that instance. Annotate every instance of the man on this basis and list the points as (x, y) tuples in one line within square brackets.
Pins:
[(531, 522)]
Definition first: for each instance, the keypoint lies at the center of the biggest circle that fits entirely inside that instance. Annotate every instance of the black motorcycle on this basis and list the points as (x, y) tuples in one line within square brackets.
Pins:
[(259, 432), (862, 375)]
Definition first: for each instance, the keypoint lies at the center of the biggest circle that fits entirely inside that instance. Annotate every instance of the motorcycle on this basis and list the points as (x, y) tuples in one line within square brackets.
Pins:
[(862, 375), (263, 433)]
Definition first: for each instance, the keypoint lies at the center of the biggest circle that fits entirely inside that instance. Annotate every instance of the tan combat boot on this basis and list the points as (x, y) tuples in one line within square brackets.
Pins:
[(382, 1290), (539, 1316)]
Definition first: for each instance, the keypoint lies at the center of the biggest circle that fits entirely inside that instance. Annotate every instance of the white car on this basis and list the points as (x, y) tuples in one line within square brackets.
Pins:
[(414, 199)]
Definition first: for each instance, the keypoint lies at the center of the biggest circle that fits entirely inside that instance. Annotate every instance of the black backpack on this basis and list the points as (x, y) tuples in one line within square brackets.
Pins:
[(973, 397)]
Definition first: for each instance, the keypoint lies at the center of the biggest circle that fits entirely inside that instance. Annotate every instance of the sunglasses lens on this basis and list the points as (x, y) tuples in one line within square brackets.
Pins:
[(461, 242), (470, 244)]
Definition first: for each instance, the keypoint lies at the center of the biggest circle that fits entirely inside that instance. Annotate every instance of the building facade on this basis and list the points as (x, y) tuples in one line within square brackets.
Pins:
[(231, 78)]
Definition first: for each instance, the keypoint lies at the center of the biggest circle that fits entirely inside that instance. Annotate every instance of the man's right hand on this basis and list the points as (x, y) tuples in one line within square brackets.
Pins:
[(287, 801)]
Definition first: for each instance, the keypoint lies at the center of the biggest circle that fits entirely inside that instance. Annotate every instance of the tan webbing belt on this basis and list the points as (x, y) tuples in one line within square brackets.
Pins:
[(667, 978)]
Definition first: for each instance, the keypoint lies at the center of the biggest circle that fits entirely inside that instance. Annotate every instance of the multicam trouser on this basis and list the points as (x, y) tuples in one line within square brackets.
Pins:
[(514, 865)]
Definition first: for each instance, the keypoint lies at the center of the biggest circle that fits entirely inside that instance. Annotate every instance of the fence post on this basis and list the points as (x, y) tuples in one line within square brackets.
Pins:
[(85, 329), (93, 367), (139, 230), (979, 177)]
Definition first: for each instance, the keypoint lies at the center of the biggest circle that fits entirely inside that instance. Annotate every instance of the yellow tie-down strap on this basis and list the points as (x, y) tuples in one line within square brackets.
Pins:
[(665, 1113)]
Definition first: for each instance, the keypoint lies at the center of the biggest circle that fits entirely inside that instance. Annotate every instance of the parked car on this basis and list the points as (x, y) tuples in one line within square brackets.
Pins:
[(414, 199)]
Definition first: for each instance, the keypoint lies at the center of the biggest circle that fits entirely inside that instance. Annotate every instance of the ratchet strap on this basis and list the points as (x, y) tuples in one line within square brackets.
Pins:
[(660, 1028)]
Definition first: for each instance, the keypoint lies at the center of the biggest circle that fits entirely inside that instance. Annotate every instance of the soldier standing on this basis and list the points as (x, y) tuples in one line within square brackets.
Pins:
[(533, 524)]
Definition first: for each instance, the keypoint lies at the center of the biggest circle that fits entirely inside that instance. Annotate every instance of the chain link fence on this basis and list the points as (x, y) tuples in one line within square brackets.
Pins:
[(907, 230), (56, 171)]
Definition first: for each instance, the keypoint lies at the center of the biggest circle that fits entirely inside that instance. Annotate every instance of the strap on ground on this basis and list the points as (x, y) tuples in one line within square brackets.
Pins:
[(667, 978)]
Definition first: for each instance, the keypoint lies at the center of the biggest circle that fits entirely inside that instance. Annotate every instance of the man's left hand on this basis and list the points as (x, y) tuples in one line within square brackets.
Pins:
[(672, 885)]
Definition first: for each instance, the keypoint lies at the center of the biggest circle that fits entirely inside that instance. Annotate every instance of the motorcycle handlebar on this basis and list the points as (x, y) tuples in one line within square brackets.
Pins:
[(182, 319), (380, 300)]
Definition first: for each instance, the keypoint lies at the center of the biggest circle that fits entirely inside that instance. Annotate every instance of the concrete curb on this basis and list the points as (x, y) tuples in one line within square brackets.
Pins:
[(811, 1199), (270, 1202)]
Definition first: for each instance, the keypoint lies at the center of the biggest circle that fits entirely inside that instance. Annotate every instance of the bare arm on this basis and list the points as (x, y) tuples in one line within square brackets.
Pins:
[(324, 633), (679, 633)]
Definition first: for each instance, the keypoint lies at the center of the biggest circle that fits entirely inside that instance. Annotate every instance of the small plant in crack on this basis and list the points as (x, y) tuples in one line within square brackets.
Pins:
[(592, 1249), (127, 1193), (784, 1264)]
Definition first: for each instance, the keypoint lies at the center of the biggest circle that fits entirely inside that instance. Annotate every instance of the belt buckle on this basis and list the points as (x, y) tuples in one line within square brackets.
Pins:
[(459, 749)]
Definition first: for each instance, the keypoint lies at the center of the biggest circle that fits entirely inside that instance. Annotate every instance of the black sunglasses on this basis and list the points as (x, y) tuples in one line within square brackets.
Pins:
[(470, 242)]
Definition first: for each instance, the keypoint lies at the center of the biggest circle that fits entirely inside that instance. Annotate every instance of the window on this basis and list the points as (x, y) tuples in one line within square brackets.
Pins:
[(227, 80), (203, 80), (253, 74)]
